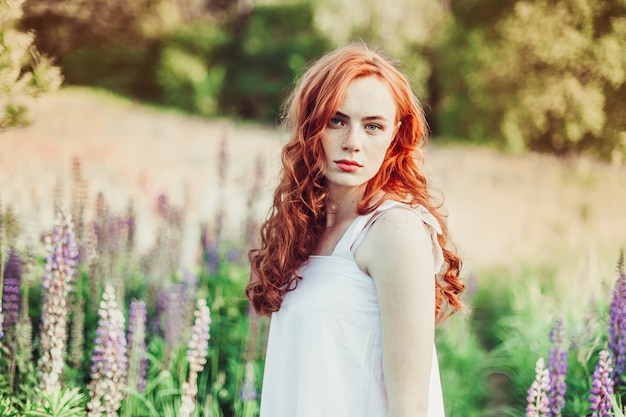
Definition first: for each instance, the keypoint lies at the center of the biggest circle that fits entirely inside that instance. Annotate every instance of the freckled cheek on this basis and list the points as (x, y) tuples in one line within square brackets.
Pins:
[(330, 141)]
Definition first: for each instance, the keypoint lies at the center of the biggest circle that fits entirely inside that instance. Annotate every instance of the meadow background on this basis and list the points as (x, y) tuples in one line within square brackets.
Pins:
[(154, 127)]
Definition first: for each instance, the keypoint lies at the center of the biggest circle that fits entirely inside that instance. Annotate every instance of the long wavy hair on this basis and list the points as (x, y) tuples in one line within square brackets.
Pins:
[(298, 216)]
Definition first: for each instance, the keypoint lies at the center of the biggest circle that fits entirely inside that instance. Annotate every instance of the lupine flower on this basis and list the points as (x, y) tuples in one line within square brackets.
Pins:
[(557, 367), (189, 282), (196, 356), (210, 252), (173, 323), (56, 283), (79, 198), (1, 266), (617, 325), (248, 389), (163, 259), (602, 387), (109, 360), (11, 291), (130, 224), (537, 400), (254, 195), (137, 352), (222, 162)]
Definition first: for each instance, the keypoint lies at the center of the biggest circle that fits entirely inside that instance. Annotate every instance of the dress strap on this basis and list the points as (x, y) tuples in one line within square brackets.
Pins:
[(359, 228)]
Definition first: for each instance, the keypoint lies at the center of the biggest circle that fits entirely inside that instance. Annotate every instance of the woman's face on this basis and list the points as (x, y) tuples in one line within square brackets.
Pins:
[(357, 137)]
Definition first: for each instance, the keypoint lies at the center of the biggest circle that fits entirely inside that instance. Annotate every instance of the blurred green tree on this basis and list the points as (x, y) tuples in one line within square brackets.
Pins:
[(98, 43), (545, 75), (407, 31), (269, 46), (64, 25), (24, 73), (189, 73)]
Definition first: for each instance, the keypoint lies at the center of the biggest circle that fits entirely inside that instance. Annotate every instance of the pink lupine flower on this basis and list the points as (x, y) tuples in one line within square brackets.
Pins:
[(109, 360), (57, 284), (196, 356), (538, 403)]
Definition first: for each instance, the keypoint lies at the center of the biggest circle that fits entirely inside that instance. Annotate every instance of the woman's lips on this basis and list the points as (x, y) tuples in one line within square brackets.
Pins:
[(347, 166)]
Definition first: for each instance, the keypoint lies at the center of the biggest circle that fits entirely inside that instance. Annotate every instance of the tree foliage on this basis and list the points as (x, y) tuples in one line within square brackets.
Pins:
[(545, 75), (262, 60), (63, 25), (24, 73)]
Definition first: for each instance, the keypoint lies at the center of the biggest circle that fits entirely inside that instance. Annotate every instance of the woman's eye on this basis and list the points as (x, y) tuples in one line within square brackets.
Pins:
[(334, 121), (372, 128)]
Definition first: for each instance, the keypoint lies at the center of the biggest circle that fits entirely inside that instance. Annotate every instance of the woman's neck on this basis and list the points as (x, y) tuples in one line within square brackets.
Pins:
[(342, 204)]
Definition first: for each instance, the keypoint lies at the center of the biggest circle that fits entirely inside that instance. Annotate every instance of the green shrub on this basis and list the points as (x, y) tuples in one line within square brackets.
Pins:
[(188, 72), (240, 68), (263, 60), (541, 75), (123, 69)]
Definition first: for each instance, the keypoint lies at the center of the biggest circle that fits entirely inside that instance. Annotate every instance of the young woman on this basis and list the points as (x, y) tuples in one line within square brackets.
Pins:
[(353, 266)]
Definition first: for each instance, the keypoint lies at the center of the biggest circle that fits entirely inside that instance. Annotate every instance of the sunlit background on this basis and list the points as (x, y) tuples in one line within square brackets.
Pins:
[(154, 124)]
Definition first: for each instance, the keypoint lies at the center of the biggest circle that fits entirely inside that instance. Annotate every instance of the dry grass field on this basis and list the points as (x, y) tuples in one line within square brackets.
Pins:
[(503, 209)]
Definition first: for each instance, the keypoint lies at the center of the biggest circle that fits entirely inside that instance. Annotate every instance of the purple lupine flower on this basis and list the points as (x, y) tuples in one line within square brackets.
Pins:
[(163, 206), (602, 387), (190, 281), (1, 266), (158, 319), (557, 367), (197, 351), (137, 351), (254, 195), (109, 360), (222, 162), (57, 284), (11, 291), (211, 246), (79, 198), (537, 400), (617, 325), (173, 322), (248, 389), (131, 227), (233, 255), (174, 313), (211, 256)]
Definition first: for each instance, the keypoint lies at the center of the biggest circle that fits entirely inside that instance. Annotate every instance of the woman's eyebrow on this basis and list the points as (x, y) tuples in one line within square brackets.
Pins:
[(368, 118)]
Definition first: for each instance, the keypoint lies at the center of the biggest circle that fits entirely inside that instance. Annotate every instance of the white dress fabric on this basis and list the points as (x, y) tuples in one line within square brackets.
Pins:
[(324, 356)]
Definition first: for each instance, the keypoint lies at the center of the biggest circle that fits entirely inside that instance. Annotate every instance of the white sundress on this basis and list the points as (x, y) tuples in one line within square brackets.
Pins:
[(324, 356)]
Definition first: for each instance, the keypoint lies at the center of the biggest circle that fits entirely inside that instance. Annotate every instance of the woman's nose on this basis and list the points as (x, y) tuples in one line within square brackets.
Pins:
[(351, 140)]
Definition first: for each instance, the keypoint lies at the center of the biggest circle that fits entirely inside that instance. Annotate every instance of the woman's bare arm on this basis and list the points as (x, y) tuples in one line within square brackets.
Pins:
[(397, 254)]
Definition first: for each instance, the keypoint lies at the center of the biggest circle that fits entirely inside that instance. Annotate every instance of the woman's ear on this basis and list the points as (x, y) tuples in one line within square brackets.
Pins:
[(397, 127)]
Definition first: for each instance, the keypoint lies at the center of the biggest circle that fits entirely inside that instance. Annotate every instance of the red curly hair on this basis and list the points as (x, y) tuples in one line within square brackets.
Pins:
[(298, 216)]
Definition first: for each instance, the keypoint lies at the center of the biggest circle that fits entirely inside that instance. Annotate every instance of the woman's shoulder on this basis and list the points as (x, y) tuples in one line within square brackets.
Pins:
[(398, 231), (398, 223), (397, 210)]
